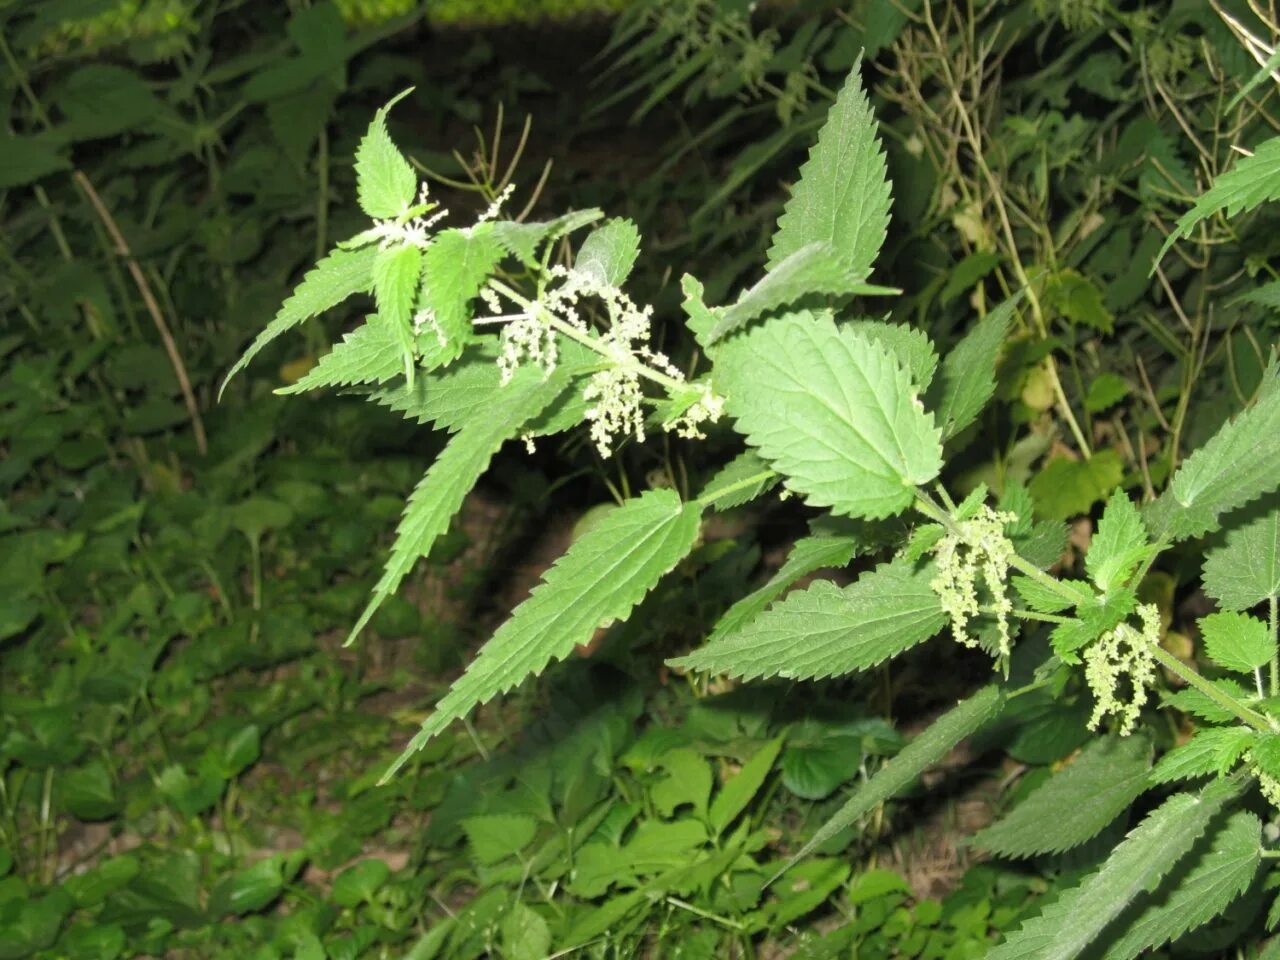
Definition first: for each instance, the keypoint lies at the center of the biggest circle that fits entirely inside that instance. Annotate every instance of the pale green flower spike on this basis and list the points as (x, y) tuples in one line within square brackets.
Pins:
[(979, 545), (1268, 784), (1124, 652)]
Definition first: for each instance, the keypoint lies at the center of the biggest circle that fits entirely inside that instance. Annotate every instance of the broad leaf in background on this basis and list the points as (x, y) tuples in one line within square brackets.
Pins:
[(336, 277), (605, 573), (1217, 871), (440, 492), (832, 412), (24, 160), (843, 195), (1245, 571), (967, 379), (827, 631), (962, 720), (1254, 180), (609, 253), (1146, 855), (385, 183), (1075, 804), (1240, 463)]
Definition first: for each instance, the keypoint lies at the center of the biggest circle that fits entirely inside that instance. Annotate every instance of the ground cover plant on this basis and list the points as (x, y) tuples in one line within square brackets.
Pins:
[(850, 568)]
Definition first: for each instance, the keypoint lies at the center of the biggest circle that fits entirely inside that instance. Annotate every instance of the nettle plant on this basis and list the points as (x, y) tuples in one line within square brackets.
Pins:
[(477, 332)]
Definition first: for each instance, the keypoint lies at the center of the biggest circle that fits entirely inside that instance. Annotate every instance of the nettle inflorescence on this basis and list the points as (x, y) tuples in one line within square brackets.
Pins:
[(976, 544), (614, 392), (1121, 658)]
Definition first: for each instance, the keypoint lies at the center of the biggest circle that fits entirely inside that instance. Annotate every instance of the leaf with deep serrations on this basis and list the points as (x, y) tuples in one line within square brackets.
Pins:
[(1075, 804), (385, 182), (1219, 869), (439, 494), (1146, 855), (1240, 463), (911, 347), (1245, 571), (336, 277), (843, 196), (1237, 641), (1119, 545), (739, 481), (963, 720), (369, 354), (454, 268), (813, 269), (967, 379), (1212, 750), (604, 574), (827, 631), (808, 555), (1254, 180), (832, 412)]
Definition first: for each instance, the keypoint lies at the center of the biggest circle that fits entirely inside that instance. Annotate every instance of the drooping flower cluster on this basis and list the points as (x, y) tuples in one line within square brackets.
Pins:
[(979, 546), (1268, 784), (1122, 660), (614, 392)]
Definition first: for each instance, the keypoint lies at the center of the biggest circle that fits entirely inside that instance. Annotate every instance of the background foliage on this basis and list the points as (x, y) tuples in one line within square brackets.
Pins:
[(189, 756)]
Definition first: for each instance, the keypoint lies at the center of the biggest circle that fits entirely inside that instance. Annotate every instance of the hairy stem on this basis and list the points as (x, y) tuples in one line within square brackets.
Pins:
[(1222, 699)]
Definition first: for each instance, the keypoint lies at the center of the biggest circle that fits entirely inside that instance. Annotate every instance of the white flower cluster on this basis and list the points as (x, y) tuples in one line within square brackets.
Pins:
[(614, 392), (415, 231), (1123, 653), (980, 545)]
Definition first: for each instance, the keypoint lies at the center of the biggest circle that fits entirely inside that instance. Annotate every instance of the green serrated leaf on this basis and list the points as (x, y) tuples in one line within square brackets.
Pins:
[(1040, 598), (609, 253), (397, 271), (1245, 571), (372, 353), (740, 481), (962, 721), (605, 573), (1219, 869), (912, 348), (1213, 750), (967, 379), (521, 240), (454, 268), (1075, 804), (1147, 855), (813, 269), (1237, 641), (1254, 180), (843, 195), (807, 556), (826, 631), (439, 494), (386, 185), (1201, 705), (1119, 545), (832, 412), (1240, 463), (336, 277)]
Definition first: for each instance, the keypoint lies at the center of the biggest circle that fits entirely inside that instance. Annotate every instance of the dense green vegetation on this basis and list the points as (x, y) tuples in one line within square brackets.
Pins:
[(903, 490)]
